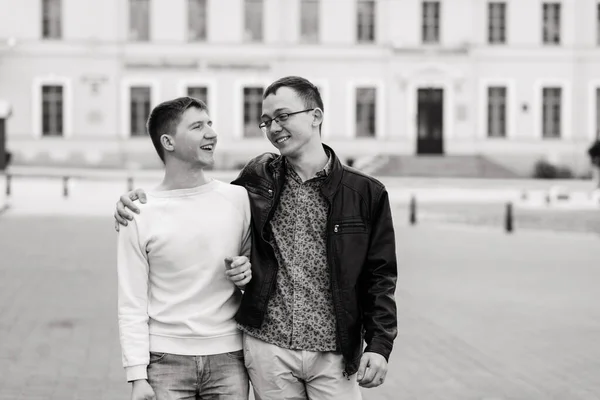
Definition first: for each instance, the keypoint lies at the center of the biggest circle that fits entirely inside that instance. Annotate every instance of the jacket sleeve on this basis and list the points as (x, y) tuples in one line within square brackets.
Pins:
[(246, 240), (378, 281)]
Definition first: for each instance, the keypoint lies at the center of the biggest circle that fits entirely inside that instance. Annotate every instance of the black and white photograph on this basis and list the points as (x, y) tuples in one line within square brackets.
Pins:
[(299, 200)]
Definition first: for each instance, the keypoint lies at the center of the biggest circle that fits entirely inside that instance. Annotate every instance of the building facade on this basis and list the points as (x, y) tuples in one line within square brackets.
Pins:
[(514, 80)]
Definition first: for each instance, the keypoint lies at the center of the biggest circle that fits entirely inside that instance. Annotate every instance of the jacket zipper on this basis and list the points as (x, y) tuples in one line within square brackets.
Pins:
[(257, 189), (334, 286), (337, 227)]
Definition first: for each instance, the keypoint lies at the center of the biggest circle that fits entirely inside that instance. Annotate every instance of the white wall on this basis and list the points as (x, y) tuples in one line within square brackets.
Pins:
[(94, 47)]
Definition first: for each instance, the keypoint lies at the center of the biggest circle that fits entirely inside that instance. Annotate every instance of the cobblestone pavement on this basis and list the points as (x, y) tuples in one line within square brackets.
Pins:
[(482, 315)]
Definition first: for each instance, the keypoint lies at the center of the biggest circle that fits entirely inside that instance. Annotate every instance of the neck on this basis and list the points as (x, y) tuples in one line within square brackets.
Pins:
[(181, 175), (309, 162)]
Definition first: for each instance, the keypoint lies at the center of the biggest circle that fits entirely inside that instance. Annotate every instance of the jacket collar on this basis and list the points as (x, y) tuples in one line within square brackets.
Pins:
[(334, 178), (331, 182)]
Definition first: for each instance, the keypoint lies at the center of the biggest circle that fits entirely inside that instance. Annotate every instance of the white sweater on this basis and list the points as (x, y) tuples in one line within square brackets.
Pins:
[(174, 296)]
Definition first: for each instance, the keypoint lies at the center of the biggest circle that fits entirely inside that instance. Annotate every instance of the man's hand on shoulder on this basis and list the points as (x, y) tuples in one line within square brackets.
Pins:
[(141, 390), (122, 215), (372, 371)]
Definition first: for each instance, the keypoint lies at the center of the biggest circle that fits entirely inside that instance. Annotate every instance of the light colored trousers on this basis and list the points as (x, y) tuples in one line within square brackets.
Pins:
[(277, 373)]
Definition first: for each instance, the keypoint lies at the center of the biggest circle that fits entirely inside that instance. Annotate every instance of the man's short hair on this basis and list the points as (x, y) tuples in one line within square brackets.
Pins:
[(165, 117), (308, 92)]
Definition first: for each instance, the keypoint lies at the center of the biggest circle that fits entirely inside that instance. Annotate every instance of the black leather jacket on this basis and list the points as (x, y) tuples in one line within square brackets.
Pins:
[(360, 249)]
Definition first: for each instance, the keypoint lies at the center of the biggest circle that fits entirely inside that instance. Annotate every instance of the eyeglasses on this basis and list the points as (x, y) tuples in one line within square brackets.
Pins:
[(280, 118)]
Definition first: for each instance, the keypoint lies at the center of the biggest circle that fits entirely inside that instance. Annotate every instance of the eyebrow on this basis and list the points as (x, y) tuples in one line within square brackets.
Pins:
[(275, 112), (199, 122)]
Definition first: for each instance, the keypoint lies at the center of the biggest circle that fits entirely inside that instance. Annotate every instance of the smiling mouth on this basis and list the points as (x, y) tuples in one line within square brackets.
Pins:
[(281, 140), (208, 147)]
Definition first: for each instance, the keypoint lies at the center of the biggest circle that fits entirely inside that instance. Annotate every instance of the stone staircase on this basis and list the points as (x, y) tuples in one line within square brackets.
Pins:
[(447, 166)]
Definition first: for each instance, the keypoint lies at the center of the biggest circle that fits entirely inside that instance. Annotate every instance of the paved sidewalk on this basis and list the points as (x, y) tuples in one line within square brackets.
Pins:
[(482, 315)]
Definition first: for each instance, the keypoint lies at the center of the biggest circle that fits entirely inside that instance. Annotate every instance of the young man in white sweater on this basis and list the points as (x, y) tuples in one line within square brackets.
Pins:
[(179, 262)]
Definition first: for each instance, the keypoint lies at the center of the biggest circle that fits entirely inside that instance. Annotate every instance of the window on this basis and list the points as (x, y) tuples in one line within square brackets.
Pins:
[(496, 23), (52, 110), (51, 20), (139, 20), (431, 22), (309, 21), (197, 19), (551, 23), (551, 112), (598, 23), (198, 92), (253, 20), (365, 112), (365, 21), (252, 111), (496, 115), (139, 109), (597, 113)]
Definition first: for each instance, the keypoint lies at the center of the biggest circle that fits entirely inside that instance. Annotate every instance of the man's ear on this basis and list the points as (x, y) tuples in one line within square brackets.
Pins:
[(167, 142), (317, 116)]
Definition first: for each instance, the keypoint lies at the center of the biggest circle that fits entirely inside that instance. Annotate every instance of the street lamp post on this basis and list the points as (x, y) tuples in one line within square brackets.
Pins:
[(594, 153), (5, 112)]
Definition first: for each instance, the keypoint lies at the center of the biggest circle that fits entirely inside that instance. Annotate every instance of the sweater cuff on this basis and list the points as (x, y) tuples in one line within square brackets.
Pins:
[(136, 372)]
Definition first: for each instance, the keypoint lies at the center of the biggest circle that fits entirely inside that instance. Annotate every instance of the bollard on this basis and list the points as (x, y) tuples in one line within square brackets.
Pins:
[(130, 184), (8, 182), (508, 223), (413, 210), (65, 186)]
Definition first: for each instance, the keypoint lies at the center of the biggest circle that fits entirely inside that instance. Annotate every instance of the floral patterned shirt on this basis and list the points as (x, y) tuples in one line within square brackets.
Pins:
[(300, 314)]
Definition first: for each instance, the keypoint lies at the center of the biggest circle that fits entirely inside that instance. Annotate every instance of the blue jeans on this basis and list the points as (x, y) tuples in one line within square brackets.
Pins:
[(213, 377)]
